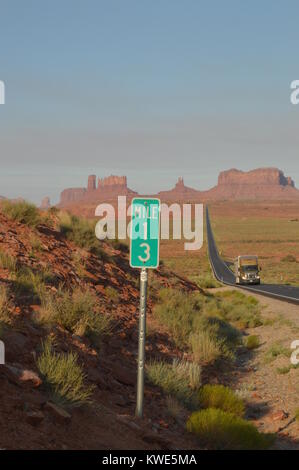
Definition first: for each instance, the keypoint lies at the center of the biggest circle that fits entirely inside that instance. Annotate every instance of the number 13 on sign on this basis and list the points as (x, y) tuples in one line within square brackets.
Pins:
[(145, 233)]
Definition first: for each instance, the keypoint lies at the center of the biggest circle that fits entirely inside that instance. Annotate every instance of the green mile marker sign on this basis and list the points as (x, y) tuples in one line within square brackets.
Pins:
[(145, 233)]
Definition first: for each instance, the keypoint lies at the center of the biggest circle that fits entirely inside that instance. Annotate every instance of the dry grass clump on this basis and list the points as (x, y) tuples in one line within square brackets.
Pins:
[(221, 397), (174, 408), (77, 311), (112, 294), (242, 310), (82, 232), (5, 317), (64, 377), (205, 348), (206, 282), (275, 350), (218, 429), (194, 324), (23, 212), (180, 380), (7, 261), (252, 342), (31, 284)]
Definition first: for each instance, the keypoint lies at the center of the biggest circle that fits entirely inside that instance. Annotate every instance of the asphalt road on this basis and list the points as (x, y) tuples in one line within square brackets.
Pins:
[(225, 275)]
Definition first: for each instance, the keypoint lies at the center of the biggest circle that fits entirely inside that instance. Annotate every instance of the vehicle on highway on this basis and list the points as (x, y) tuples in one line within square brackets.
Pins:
[(247, 269)]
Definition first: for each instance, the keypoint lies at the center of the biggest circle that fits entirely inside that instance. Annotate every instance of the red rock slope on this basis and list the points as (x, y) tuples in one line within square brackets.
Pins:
[(27, 419)]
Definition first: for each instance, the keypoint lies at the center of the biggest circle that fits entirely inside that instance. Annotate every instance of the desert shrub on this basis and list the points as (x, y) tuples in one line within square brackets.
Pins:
[(77, 312), (22, 211), (35, 243), (221, 397), (207, 282), (53, 211), (63, 377), (289, 259), (30, 284), (283, 370), (205, 348), (219, 429), (7, 261), (193, 370), (79, 263), (252, 342), (121, 246), (236, 307), (219, 329), (47, 275), (82, 232), (5, 317), (213, 338), (275, 350), (111, 293), (184, 315), (173, 407), (176, 310), (180, 379)]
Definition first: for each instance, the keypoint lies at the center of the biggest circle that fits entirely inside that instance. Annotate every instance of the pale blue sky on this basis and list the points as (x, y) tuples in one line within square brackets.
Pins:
[(150, 89)]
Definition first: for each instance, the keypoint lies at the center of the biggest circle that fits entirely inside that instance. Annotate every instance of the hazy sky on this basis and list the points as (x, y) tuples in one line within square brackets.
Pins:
[(153, 89)]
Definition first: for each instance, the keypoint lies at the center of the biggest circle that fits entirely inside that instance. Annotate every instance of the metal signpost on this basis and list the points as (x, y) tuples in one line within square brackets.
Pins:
[(144, 253)]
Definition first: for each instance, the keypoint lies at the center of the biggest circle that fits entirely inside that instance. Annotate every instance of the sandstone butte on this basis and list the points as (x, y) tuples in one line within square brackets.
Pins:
[(106, 188), (234, 185), (46, 203)]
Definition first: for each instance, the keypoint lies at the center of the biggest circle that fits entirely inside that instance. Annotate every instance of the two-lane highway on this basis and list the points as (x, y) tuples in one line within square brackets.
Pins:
[(225, 275)]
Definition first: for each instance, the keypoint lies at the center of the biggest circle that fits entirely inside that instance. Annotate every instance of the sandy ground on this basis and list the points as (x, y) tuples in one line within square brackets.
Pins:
[(272, 396)]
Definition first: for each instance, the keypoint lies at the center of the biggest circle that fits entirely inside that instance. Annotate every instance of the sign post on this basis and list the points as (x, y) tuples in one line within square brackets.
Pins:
[(141, 342), (144, 253)]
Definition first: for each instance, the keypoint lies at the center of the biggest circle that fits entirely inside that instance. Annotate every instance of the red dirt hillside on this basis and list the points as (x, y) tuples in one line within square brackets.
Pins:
[(28, 417)]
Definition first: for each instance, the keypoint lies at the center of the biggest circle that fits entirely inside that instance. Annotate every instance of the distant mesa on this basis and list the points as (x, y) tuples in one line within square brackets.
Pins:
[(262, 184), (261, 176), (259, 184), (233, 185)]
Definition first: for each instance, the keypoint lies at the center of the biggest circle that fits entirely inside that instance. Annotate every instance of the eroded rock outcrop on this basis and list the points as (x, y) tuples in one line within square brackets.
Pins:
[(106, 188), (112, 181), (46, 203), (71, 195), (180, 192), (91, 183)]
